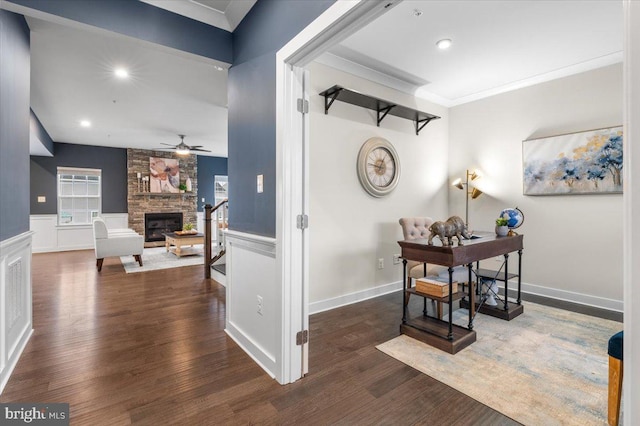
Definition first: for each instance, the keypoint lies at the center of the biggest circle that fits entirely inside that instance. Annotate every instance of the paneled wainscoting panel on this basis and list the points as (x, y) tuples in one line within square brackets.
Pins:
[(253, 299), (15, 297), (49, 237)]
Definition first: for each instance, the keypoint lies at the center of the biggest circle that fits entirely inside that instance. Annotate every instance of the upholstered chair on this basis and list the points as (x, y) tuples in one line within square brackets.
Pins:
[(120, 242)]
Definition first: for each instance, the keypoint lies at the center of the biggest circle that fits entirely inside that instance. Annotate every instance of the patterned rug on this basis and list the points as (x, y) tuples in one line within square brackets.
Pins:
[(545, 367), (157, 258)]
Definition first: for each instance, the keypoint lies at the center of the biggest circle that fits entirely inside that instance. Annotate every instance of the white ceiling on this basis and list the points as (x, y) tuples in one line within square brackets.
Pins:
[(497, 46)]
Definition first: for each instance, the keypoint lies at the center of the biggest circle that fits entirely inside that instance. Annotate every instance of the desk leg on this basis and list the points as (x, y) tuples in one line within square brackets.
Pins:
[(506, 281), (405, 295), (472, 301), (519, 274), (450, 335)]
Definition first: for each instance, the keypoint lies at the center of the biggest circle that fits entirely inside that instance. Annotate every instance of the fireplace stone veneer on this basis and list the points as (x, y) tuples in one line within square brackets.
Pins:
[(140, 202)]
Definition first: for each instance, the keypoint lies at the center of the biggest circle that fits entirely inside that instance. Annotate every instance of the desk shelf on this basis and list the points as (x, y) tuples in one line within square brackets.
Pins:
[(513, 309), (433, 331), (456, 296)]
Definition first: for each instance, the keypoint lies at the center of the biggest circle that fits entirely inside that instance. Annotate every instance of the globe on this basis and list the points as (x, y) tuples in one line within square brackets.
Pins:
[(516, 217)]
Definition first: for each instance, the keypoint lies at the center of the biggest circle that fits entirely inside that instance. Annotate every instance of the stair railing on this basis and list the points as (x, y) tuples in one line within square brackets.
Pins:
[(220, 227)]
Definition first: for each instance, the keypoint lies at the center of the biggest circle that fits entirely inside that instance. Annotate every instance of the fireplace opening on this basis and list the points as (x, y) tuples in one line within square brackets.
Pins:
[(157, 224)]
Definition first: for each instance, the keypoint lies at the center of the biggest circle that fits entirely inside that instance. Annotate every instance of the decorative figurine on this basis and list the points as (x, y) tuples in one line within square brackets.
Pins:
[(453, 227)]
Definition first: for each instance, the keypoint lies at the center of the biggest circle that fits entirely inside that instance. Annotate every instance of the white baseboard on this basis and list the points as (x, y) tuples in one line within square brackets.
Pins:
[(358, 296), (570, 296), (255, 351), (13, 360), (533, 289)]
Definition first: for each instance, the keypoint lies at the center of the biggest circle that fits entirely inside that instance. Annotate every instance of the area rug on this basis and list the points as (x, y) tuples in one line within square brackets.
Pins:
[(157, 258), (545, 367)]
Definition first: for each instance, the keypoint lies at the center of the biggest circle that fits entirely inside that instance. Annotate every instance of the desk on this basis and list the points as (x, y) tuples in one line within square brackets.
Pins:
[(444, 334), (173, 239)]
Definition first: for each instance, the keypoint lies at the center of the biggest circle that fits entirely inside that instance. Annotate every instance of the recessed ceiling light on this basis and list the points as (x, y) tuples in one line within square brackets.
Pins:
[(121, 73), (85, 123), (218, 68), (417, 13), (444, 44)]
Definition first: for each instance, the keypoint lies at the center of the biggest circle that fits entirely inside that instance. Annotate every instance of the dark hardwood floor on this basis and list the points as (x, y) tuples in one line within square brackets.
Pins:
[(150, 348)]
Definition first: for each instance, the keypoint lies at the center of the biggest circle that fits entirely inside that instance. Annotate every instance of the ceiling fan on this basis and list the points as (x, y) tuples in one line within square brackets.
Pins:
[(182, 148)]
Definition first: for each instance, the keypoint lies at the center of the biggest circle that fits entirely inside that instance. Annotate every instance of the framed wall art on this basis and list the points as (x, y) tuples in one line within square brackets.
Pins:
[(588, 162), (164, 175)]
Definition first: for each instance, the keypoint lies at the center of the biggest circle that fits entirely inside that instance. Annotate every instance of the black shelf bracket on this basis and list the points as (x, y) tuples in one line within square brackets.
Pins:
[(329, 98), (421, 123), (380, 106), (384, 112)]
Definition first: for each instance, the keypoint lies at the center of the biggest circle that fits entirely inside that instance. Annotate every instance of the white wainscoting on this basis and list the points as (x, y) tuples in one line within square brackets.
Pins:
[(15, 302), (49, 237), (251, 272)]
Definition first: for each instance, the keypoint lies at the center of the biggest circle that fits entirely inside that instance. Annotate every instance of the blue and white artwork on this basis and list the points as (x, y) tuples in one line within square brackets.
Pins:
[(577, 163)]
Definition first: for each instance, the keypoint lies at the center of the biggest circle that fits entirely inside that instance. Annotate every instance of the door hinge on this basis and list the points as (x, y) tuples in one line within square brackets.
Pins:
[(302, 221), (302, 337), (303, 106)]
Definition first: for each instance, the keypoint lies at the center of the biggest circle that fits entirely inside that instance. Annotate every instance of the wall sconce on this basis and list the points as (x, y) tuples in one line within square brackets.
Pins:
[(473, 192)]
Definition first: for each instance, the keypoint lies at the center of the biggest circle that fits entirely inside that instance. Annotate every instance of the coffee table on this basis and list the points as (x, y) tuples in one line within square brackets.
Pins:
[(179, 241)]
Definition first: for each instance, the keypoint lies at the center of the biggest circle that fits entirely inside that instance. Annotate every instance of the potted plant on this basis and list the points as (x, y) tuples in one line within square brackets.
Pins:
[(501, 225), (182, 187), (188, 228)]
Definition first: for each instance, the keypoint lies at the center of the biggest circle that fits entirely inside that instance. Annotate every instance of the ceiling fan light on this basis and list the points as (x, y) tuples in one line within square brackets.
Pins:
[(182, 151)]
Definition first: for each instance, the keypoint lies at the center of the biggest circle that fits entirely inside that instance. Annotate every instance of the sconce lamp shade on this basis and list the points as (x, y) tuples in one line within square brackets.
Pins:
[(470, 192)]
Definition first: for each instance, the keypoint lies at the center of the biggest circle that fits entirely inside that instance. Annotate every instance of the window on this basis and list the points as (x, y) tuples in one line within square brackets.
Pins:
[(79, 195)]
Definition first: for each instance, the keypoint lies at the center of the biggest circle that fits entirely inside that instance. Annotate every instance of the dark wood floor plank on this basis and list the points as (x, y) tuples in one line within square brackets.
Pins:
[(150, 349)]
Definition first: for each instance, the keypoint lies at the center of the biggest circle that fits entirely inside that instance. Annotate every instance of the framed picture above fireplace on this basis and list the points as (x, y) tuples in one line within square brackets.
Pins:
[(164, 175)]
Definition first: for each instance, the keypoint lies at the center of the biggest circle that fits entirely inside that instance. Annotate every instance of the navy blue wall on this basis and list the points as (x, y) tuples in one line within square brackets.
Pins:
[(252, 98), (39, 130), (143, 21), (208, 167), (112, 162), (15, 69)]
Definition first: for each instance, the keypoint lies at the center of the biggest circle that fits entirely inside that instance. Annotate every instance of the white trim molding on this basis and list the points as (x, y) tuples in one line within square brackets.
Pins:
[(16, 319), (355, 297)]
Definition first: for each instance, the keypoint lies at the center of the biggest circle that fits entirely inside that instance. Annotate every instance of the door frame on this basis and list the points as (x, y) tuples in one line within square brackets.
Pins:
[(339, 21)]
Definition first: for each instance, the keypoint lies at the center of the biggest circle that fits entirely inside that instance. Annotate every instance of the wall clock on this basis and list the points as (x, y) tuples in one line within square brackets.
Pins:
[(378, 167)]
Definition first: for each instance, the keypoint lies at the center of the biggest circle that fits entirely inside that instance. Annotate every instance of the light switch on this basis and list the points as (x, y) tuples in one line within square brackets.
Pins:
[(260, 184), (42, 199)]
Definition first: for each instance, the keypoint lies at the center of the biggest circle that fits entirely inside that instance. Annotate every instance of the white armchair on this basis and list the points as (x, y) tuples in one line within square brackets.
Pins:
[(116, 242)]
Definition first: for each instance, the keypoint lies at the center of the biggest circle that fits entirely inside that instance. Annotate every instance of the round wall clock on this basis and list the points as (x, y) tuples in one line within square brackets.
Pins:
[(378, 167)]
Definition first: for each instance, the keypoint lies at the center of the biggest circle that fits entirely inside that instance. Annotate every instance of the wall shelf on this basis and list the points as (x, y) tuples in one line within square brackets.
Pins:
[(382, 107)]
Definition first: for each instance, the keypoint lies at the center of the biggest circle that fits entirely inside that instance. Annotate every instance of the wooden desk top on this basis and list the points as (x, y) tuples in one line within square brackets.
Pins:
[(489, 245)]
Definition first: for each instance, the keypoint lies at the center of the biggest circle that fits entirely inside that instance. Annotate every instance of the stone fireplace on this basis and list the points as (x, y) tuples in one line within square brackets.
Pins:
[(141, 202)]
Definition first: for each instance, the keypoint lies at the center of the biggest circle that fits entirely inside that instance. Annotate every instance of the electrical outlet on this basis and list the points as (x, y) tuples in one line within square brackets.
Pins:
[(260, 305), (396, 259), (381, 263)]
